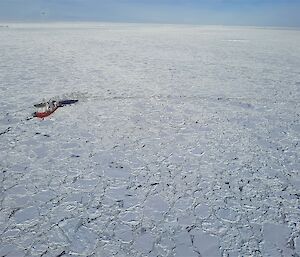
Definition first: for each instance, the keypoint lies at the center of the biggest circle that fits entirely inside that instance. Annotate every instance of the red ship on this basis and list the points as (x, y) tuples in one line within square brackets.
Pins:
[(47, 108)]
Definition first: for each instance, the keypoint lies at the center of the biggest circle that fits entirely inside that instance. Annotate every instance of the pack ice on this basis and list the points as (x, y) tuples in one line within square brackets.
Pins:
[(184, 142)]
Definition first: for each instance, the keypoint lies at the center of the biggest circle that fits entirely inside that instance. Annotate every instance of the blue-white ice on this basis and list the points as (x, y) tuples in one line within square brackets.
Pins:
[(185, 141)]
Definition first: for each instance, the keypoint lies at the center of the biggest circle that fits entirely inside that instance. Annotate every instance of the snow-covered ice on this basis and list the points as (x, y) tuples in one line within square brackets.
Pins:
[(184, 142)]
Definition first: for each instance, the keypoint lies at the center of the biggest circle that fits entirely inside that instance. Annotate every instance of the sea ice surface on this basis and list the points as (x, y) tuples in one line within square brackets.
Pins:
[(184, 142)]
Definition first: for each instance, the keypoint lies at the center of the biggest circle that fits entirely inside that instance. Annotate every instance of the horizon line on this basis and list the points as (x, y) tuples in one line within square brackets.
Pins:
[(36, 21)]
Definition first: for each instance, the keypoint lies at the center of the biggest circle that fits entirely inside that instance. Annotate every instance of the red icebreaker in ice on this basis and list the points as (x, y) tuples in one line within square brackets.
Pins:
[(47, 108)]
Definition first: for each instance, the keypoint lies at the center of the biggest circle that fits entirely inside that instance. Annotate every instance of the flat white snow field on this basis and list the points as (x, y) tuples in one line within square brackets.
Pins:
[(184, 142)]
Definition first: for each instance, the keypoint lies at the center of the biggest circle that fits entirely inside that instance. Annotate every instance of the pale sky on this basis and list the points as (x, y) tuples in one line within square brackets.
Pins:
[(206, 12)]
